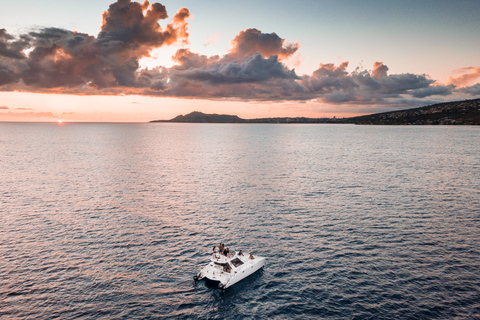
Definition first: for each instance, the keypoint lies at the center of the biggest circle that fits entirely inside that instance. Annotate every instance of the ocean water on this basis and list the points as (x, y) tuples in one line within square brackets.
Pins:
[(112, 221)]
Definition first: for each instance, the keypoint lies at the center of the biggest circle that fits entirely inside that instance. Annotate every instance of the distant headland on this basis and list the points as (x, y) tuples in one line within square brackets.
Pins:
[(465, 112)]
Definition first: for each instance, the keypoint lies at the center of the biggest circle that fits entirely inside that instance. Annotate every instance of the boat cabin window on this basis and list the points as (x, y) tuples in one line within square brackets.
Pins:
[(236, 262)]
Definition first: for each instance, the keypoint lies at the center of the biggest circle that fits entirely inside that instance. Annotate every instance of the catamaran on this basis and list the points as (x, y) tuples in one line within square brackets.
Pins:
[(227, 268)]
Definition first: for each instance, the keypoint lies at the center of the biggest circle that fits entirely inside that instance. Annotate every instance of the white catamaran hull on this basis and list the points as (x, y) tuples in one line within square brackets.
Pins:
[(225, 271)]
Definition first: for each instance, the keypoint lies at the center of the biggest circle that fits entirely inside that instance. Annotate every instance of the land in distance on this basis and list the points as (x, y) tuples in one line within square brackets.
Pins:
[(465, 112)]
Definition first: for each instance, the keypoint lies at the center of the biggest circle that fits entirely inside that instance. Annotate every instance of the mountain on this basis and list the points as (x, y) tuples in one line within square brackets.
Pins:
[(199, 117), (449, 113)]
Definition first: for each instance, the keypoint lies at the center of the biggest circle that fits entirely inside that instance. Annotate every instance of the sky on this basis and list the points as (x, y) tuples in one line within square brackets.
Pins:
[(127, 61)]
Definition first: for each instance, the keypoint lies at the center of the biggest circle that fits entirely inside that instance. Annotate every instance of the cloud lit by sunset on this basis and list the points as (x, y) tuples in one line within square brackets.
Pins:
[(255, 69)]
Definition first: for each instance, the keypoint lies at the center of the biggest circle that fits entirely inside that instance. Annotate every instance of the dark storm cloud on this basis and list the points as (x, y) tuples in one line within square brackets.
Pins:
[(402, 83), (11, 47), (8, 74), (11, 52), (59, 58), (255, 77), (253, 69), (62, 61)]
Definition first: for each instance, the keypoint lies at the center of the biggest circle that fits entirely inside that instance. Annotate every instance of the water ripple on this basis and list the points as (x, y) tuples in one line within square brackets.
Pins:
[(112, 221)]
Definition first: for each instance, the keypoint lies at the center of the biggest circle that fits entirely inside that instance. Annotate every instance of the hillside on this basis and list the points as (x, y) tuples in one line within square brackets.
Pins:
[(449, 113), (199, 117)]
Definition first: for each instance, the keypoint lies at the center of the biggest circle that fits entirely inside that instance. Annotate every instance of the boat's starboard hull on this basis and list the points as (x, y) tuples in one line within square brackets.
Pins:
[(248, 271), (240, 267)]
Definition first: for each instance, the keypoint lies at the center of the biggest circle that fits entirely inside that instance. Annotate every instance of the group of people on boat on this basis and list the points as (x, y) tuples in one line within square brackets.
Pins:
[(222, 250), (226, 251)]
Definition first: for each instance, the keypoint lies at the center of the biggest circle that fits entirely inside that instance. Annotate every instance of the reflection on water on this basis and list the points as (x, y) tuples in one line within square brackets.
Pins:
[(103, 220)]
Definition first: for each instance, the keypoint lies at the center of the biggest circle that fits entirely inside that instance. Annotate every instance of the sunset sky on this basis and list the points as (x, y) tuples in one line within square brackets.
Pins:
[(125, 61)]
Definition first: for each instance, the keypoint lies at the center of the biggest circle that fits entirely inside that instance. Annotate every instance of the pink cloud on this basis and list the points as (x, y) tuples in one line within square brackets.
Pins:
[(469, 75), (379, 70), (250, 41)]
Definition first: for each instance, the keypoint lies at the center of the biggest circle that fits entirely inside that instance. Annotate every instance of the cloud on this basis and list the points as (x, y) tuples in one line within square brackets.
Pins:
[(8, 73), (11, 47), (433, 90), (402, 83), (472, 90), (251, 41), (4, 108), (81, 63), (187, 60), (133, 29), (27, 116), (379, 70), (331, 84), (255, 68), (469, 75), (335, 85)]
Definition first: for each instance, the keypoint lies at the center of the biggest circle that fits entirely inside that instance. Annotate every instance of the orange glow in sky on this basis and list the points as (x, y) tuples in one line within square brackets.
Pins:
[(143, 61)]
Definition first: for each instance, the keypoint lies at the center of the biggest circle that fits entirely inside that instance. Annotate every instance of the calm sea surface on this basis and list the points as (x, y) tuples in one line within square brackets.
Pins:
[(108, 221)]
